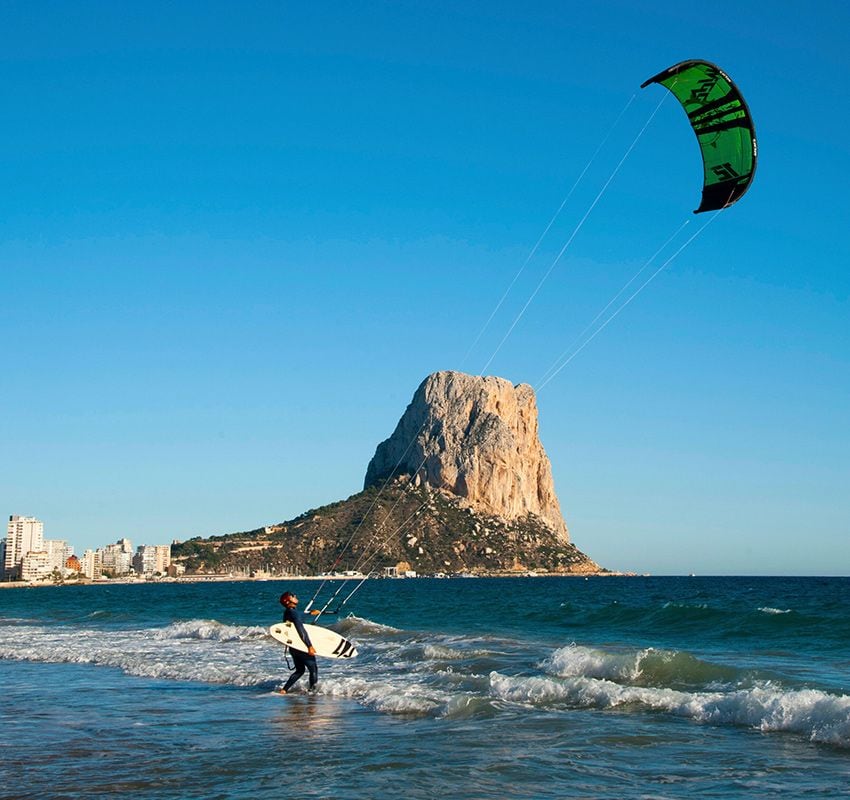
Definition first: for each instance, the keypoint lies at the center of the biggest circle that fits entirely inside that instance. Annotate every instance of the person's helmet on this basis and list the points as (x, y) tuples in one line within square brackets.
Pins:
[(286, 597)]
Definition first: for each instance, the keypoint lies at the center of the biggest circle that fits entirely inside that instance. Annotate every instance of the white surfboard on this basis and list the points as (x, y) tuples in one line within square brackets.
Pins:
[(327, 642)]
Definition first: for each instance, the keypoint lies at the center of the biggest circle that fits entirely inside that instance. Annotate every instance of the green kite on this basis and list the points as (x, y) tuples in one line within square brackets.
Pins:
[(723, 126)]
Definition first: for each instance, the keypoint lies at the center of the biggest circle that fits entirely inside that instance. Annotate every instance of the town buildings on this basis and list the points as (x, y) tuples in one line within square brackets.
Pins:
[(117, 559), (152, 559), (58, 552), (25, 555)]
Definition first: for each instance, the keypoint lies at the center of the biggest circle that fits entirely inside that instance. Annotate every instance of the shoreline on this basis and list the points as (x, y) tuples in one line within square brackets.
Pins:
[(211, 578)]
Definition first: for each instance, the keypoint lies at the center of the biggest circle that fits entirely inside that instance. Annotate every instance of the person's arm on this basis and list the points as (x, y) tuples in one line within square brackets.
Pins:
[(302, 631)]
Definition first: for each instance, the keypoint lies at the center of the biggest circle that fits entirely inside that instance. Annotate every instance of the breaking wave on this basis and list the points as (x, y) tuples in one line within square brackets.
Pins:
[(189, 651), (646, 667), (411, 674), (352, 626), (811, 713), (211, 630)]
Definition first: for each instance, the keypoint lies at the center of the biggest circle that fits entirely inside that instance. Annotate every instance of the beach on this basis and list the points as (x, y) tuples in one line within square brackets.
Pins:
[(622, 687)]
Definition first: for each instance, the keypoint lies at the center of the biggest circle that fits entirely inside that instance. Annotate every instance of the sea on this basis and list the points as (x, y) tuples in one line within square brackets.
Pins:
[(572, 687)]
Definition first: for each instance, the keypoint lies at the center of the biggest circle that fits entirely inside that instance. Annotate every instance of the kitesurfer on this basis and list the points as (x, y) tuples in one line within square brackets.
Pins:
[(302, 661)]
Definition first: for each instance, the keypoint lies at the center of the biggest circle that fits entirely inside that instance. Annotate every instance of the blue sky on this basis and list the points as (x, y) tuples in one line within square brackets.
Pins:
[(232, 244)]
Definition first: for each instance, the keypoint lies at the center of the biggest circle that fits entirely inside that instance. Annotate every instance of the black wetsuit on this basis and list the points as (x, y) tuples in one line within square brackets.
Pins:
[(301, 660)]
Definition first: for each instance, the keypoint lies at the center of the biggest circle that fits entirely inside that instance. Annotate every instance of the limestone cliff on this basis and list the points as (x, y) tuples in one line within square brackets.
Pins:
[(463, 486), (476, 438)]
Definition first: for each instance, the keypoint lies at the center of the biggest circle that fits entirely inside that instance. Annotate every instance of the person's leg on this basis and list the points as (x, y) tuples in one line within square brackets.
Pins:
[(313, 669), (298, 660)]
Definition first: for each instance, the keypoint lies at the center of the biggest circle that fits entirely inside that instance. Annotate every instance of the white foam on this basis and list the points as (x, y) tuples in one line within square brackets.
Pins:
[(211, 630), (446, 652), (440, 652), (575, 660), (143, 653), (386, 696), (362, 625), (811, 713)]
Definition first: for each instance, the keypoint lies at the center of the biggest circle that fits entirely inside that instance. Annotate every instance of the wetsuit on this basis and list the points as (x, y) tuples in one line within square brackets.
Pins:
[(301, 660)]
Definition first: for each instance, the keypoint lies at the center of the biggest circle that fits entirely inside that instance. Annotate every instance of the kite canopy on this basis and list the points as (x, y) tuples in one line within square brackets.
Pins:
[(722, 124)]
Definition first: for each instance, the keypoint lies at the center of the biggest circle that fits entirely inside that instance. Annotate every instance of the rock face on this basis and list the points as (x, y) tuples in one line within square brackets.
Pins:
[(475, 437), (462, 487)]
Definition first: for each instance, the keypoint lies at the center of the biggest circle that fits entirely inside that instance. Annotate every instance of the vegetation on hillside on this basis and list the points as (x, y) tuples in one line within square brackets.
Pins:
[(430, 530)]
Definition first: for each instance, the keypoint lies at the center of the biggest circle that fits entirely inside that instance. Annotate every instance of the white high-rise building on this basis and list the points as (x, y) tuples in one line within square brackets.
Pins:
[(151, 559), (144, 562), (35, 566), (117, 558), (24, 535), (91, 564), (58, 552), (163, 558)]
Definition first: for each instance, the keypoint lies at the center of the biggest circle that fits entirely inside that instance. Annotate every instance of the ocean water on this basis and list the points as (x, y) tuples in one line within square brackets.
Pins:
[(464, 688)]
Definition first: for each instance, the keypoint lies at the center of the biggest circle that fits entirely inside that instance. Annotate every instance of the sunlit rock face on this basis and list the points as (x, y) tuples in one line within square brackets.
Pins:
[(477, 438)]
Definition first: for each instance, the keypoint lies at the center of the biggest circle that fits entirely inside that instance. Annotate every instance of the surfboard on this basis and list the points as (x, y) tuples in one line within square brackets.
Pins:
[(328, 643)]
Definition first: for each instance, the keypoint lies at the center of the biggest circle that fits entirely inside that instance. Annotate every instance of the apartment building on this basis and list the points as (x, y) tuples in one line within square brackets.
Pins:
[(23, 535)]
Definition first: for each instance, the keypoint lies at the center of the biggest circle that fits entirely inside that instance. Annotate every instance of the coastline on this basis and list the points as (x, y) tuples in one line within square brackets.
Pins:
[(213, 578)]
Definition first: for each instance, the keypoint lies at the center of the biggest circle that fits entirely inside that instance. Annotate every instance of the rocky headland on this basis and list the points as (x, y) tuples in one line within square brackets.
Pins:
[(463, 485)]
